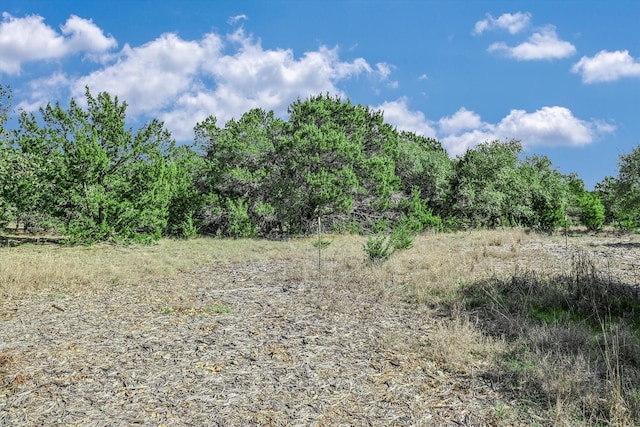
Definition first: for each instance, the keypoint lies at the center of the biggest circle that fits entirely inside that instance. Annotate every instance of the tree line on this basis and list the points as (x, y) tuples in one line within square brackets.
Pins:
[(81, 172)]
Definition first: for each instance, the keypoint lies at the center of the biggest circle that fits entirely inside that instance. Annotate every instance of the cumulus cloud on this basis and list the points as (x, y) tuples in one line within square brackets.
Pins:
[(548, 126), (183, 81), (607, 66), (462, 120), (150, 76), (402, 117), (543, 44), (84, 36), (514, 23), (30, 39)]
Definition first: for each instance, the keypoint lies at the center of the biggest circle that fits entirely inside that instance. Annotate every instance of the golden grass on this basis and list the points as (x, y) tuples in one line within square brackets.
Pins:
[(459, 346), (427, 273), (33, 268)]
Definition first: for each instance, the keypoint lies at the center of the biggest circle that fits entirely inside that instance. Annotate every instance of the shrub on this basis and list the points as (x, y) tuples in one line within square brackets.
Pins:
[(378, 248), (591, 211), (402, 237), (420, 215), (240, 224)]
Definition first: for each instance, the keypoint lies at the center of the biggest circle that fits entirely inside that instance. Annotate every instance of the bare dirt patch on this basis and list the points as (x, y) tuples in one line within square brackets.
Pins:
[(255, 343)]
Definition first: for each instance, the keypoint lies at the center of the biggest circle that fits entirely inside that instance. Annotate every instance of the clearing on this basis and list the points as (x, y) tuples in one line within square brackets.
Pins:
[(211, 332)]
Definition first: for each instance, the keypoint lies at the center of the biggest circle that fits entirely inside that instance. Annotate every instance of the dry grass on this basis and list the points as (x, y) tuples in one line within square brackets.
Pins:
[(224, 331), (34, 268)]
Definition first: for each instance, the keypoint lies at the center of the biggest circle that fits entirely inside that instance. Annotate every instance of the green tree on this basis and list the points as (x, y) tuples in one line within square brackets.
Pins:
[(592, 212), (584, 206), (238, 177), (419, 215), (337, 160), (547, 190), (186, 203), (423, 164), (25, 188), (103, 181), (488, 188), (606, 191), (626, 190)]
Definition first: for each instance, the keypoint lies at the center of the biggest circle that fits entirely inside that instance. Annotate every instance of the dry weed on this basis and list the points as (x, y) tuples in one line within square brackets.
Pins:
[(457, 345)]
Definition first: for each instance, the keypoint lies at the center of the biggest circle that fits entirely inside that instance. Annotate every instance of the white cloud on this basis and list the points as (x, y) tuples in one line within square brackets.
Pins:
[(150, 76), (607, 66), (383, 69), (398, 114), (463, 119), (548, 126), (235, 19), (30, 39), (543, 44), (43, 90), (181, 82), (85, 36), (514, 23)]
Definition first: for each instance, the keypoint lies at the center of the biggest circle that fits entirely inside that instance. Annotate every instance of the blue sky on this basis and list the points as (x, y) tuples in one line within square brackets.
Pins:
[(561, 76)]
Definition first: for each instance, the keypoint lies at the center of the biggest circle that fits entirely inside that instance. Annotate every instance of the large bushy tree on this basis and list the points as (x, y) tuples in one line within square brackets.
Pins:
[(487, 186), (331, 159), (624, 200), (337, 160), (492, 186), (238, 173), (98, 179), (422, 164), (546, 190)]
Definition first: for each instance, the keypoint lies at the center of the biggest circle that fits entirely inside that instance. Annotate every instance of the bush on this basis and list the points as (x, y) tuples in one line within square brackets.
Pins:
[(378, 248), (402, 237), (626, 222), (240, 224), (420, 215), (591, 211)]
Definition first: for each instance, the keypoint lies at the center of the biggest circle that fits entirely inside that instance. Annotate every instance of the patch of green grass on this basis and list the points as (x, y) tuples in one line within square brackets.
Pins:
[(219, 308), (555, 315)]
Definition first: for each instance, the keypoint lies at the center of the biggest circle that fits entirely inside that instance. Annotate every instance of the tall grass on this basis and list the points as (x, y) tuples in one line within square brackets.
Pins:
[(573, 340)]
